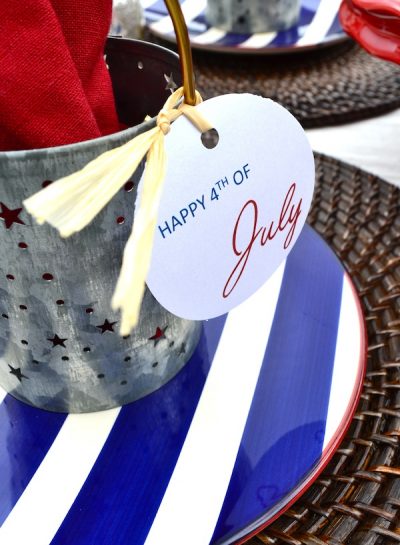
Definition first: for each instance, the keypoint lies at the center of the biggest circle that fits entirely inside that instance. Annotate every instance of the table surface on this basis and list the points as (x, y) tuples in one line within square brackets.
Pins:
[(372, 145)]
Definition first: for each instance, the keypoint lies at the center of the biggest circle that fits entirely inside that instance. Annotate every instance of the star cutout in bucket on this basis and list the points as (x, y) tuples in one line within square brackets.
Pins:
[(10, 216), (57, 341), (107, 326), (158, 335), (171, 85), (17, 372)]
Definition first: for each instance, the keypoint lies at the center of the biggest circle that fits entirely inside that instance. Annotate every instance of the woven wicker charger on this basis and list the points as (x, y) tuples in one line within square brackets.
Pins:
[(356, 499)]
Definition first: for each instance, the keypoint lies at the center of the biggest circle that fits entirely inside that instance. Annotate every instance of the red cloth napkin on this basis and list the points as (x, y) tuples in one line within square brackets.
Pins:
[(55, 88)]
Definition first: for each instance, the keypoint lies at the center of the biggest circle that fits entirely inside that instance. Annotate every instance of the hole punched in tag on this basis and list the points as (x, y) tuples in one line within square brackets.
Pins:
[(210, 138)]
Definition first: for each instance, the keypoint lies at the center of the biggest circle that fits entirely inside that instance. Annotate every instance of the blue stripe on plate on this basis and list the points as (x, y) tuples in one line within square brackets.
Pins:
[(135, 465), (293, 388), (158, 7), (201, 20), (231, 39), (292, 35), (311, 5), (194, 28), (286, 37), (336, 28), (306, 16), (26, 435)]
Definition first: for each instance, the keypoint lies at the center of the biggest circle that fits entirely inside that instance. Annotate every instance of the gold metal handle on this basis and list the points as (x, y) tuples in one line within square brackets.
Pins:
[(185, 52)]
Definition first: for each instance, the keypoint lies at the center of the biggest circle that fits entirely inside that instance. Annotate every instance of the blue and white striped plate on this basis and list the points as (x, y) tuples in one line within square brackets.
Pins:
[(318, 26), (217, 452)]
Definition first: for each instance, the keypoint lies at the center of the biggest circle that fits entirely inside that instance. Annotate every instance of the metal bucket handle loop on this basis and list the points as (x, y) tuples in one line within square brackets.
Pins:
[(185, 53)]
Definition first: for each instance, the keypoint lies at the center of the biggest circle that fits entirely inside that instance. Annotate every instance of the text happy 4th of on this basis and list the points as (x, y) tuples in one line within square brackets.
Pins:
[(192, 209)]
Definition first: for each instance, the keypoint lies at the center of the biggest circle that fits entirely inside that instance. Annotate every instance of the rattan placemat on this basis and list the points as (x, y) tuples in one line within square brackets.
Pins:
[(356, 500), (322, 87)]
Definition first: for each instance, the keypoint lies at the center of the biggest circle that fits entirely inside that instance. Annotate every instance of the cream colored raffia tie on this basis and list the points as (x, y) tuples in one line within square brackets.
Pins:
[(71, 203)]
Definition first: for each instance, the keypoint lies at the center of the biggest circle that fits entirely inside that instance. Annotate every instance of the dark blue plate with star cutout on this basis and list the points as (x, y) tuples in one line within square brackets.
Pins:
[(221, 449), (318, 26)]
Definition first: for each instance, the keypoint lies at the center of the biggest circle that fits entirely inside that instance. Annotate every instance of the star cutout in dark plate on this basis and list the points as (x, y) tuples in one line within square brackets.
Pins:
[(171, 85), (10, 216), (107, 326), (158, 335), (17, 372), (57, 341)]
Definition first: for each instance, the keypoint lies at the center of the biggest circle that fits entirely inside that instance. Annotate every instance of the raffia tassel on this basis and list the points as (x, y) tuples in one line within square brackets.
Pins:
[(71, 203)]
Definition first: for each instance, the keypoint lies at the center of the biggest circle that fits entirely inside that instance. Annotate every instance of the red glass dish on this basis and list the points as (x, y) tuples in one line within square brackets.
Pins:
[(375, 25)]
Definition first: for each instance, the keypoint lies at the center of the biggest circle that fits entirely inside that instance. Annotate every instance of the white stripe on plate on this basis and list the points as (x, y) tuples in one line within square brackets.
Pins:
[(3, 394), (52, 490), (190, 10), (256, 41), (319, 26), (197, 488), (211, 36), (347, 362)]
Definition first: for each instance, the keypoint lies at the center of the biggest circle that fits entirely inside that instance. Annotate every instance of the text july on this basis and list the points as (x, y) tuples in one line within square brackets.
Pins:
[(247, 228)]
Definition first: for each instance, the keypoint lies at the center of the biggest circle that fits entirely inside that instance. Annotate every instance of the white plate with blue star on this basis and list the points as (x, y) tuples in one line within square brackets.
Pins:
[(318, 26), (216, 453)]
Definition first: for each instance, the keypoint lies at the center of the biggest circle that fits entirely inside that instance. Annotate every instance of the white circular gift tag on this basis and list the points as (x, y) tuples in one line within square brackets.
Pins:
[(229, 216)]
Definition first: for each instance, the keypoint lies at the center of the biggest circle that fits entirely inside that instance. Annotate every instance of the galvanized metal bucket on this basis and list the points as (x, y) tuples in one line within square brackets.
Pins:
[(59, 342)]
